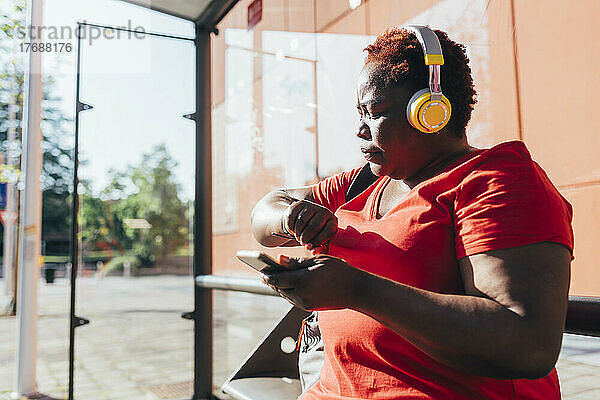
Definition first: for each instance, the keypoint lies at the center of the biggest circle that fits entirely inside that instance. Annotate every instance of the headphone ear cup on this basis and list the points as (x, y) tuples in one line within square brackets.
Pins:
[(426, 115), (413, 106)]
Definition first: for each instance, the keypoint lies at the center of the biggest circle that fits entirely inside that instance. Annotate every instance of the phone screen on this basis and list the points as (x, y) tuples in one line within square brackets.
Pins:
[(259, 261)]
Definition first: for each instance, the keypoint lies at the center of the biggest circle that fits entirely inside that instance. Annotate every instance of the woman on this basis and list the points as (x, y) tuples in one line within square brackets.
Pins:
[(448, 277)]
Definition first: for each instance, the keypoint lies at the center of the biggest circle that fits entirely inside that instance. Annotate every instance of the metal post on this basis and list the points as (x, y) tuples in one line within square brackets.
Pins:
[(315, 86), (202, 262), (31, 217), (74, 220), (316, 101), (10, 220)]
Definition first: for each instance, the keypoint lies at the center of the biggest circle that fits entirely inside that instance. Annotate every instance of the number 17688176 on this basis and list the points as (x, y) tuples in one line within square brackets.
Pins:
[(45, 47)]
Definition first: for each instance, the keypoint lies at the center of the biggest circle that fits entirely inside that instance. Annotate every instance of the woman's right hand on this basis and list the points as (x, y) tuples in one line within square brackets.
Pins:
[(311, 224)]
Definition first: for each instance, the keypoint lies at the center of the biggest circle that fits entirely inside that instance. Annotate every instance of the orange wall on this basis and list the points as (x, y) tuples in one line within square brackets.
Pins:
[(558, 57), (552, 85)]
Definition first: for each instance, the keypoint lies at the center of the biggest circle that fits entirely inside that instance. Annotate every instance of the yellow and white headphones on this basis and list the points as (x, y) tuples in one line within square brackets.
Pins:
[(429, 110)]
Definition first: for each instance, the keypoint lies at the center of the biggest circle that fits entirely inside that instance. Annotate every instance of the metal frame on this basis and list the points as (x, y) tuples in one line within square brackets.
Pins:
[(202, 224), (210, 16), (203, 298), (74, 321), (202, 261), (205, 24), (583, 316)]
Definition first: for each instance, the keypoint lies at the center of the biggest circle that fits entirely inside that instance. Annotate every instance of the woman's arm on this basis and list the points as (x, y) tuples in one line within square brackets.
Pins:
[(508, 325), (267, 215), (294, 211)]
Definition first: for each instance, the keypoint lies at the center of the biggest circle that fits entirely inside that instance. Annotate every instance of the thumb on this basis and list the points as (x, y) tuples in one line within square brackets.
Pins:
[(287, 261), (292, 262)]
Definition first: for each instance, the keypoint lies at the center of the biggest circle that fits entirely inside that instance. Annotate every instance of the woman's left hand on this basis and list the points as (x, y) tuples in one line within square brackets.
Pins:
[(322, 282)]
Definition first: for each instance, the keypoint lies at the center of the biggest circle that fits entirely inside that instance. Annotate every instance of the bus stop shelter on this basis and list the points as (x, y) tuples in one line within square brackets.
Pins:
[(206, 14)]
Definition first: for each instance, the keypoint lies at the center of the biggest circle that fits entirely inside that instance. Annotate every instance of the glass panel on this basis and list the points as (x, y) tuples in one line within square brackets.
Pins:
[(137, 188), (284, 97), (240, 321)]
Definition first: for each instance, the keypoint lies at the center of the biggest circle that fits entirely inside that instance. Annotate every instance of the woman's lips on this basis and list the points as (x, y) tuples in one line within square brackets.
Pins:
[(372, 155)]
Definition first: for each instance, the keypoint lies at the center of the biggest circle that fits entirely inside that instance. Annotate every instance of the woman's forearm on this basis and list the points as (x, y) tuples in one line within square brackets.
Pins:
[(473, 334), (267, 217)]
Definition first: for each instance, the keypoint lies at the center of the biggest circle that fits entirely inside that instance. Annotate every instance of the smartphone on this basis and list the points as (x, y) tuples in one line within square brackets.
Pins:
[(259, 261)]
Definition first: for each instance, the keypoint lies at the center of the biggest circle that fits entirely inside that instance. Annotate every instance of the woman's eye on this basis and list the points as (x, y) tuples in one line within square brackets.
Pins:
[(374, 114), (367, 114)]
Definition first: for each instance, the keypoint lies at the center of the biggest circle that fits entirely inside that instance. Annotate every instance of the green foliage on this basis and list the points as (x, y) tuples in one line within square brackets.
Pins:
[(56, 127), (9, 23), (147, 192)]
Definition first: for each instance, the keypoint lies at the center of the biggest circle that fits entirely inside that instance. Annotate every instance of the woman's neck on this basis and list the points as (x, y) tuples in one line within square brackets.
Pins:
[(439, 162)]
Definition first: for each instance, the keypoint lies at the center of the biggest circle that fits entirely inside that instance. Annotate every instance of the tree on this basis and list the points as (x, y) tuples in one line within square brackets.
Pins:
[(57, 167), (147, 192)]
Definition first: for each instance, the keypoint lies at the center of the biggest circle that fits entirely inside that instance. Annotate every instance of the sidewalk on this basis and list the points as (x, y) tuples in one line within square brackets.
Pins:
[(138, 346)]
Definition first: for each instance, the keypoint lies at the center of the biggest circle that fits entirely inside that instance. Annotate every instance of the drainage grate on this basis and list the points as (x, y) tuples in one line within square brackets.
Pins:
[(173, 390)]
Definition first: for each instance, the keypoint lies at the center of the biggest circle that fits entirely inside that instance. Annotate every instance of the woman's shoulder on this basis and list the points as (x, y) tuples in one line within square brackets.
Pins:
[(331, 192), (509, 160), (506, 167), (506, 154), (340, 179)]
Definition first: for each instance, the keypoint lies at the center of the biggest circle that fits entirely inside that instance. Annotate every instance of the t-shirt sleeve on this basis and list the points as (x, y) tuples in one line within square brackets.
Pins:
[(331, 192), (509, 204)]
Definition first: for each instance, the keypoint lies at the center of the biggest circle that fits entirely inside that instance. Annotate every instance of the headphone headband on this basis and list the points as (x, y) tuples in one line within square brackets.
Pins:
[(430, 44), (432, 50)]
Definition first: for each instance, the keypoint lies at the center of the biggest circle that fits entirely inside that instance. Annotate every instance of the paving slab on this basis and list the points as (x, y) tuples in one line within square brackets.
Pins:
[(138, 346)]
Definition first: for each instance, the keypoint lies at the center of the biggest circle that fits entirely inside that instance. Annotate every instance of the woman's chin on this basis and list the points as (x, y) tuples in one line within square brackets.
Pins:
[(377, 169), (383, 170)]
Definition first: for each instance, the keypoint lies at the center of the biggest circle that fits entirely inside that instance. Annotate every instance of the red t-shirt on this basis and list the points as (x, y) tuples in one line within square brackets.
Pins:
[(490, 199)]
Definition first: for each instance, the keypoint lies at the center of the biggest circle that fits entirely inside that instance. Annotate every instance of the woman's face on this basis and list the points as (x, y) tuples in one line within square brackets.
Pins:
[(388, 142)]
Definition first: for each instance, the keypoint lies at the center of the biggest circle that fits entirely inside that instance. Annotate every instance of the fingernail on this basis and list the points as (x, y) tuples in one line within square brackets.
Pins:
[(283, 258), (309, 246)]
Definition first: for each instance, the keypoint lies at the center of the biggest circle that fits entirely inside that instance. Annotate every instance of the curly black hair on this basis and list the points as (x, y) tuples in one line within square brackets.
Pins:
[(399, 58)]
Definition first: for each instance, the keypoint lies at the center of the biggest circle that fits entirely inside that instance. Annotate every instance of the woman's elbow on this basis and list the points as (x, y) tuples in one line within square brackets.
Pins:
[(257, 228), (539, 363), (536, 359)]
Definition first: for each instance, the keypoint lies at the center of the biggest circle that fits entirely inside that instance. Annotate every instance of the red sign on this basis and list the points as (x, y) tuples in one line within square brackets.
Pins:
[(5, 216), (254, 13)]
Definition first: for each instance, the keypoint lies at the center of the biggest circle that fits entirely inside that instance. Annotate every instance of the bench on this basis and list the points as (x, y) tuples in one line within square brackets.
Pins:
[(270, 373)]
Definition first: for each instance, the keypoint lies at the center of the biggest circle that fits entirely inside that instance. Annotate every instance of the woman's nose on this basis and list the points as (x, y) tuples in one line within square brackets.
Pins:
[(363, 130)]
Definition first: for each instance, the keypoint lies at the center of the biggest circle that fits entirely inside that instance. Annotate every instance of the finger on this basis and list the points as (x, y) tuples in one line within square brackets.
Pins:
[(288, 295), (283, 259), (286, 279), (291, 263), (303, 262), (302, 221), (287, 262), (313, 227), (292, 213), (264, 280), (328, 230), (319, 250), (315, 266)]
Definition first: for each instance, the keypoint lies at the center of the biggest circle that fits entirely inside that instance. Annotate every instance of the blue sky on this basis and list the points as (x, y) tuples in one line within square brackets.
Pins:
[(139, 88)]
